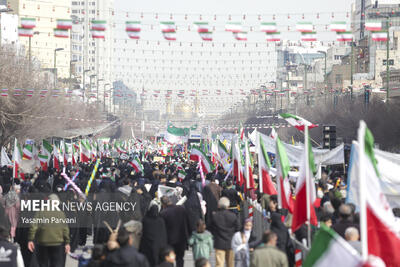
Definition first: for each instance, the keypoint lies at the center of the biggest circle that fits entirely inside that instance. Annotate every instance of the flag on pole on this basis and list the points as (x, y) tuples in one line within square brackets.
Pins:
[(233, 27), (47, 148), (241, 131), (297, 122), (223, 155), (28, 23), (17, 158), (85, 153), (97, 34), (304, 26), (98, 25), (344, 36), (240, 36), (56, 158), (309, 36), (61, 33), (133, 34), (169, 36), (328, 247), (133, 26), (380, 232), (264, 165), (64, 24), (303, 209), (43, 161), (283, 168), (268, 27), (202, 26), (373, 25), (273, 36), (197, 155), (167, 26), (135, 163), (338, 26), (27, 152), (380, 36), (25, 32), (174, 135), (206, 36), (248, 172)]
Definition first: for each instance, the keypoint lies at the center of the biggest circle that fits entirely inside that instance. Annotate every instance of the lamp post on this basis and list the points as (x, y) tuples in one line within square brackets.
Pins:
[(70, 73), (55, 65), (84, 85), (104, 96), (324, 53)]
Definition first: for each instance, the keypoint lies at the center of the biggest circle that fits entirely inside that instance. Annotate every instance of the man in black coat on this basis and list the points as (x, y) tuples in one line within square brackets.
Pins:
[(223, 226), (177, 225), (345, 221)]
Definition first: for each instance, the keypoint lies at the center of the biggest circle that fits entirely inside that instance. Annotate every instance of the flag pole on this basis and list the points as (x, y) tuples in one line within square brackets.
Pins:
[(363, 202), (260, 180), (15, 159), (308, 204), (278, 175)]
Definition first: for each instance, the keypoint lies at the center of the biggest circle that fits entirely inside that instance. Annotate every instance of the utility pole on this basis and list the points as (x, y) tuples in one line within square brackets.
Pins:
[(387, 60)]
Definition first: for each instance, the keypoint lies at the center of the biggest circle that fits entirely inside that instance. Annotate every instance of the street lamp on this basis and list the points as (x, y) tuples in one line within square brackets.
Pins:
[(70, 72), (55, 65), (104, 96), (84, 85), (324, 53)]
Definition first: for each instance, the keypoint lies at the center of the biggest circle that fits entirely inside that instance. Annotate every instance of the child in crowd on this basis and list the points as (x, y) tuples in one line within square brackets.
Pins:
[(201, 241)]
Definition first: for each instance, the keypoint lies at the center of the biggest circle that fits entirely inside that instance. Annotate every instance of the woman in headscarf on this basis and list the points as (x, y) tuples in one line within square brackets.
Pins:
[(284, 242), (193, 207), (154, 235)]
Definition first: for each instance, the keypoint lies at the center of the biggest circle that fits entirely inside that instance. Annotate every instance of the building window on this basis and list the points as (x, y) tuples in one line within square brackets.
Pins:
[(338, 78), (338, 57)]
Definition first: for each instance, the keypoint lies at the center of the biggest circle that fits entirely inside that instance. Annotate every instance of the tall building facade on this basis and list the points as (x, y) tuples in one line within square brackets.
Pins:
[(92, 57), (43, 43)]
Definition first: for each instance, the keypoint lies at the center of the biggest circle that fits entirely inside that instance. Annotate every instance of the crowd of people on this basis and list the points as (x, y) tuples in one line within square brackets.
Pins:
[(208, 217)]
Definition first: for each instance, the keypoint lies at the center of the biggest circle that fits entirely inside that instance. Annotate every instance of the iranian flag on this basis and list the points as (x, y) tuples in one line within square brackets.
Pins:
[(25, 32), (181, 174), (248, 167), (338, 26), (283, 168), (380, 36), (273, 37), (85, 151), (201, 26), (73, 159), (268, 27), (17, 158), (264, 165), (169, 36), (97, 34), (167, 26), (344, 36), (206, 36), (64, 24), (223, 155), (233, 27), (133, 26), (380, 232), (373, 25), (330, 248), (240, 36), (56, 158), (27, 152), (4, 159), (303, 210), (273, 134), (197, 155), (47, 148), (135, 163), (304, 26), (309, 36), (297, 122), (65, 153), (43, 159), (61, 33), (28, 23), (174, 135), (4, 92), (98, 25)]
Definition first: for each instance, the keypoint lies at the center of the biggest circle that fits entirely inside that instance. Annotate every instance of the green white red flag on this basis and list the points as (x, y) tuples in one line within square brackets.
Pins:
[(297, 122), (197, 155), (133, 26), (248, 167), (202, 26), (43, 159), (309, 36), (283, 168), (373, 25), (61, 33), (64, 24), (98, 25), (233, 27), (338, 26), (136, 164), (273, 36), (330, 248), (97, 34), (380, 231), (25, 32), (56, 158), (304, 27), (27, 152), (240, 36), (167, 26), (85, 153), (17, 158), (344, 36), (303, 210), (28, 23), (268, 27), (380, 36), (264, 165)]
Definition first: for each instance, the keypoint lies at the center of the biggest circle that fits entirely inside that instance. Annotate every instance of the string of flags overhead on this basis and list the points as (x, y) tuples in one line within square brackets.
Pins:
[(205, 30)]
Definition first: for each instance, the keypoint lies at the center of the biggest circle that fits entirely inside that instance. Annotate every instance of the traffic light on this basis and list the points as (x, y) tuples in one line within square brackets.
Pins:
[(329, 137)]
